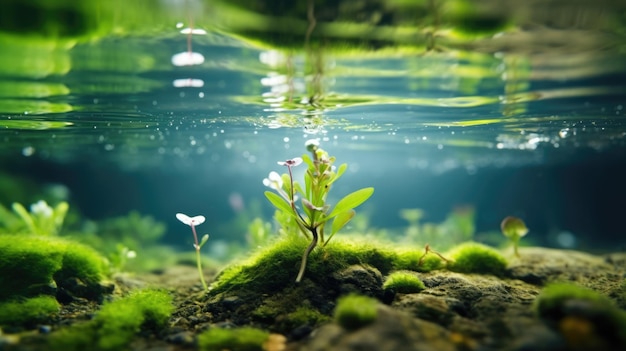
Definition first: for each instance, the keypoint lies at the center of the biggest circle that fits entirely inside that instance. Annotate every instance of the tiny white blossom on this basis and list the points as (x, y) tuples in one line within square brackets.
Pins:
[(291, 163), (41, 208), (190, 221), (274, 181)]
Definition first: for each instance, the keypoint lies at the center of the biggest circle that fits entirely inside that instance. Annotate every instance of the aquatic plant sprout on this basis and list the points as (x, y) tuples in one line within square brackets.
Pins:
[(42, 218), (193, 222), (514, 228), (312, 216)]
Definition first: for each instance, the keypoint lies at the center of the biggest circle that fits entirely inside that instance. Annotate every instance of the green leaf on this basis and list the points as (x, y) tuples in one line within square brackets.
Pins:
[(307, 185), (308, 161), (340, 221), (60, 211), (25, 216), (279, 202), (342, 168), (351, 201), (204, 239)]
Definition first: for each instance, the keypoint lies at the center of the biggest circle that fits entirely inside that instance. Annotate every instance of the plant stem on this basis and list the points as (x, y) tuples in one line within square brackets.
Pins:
[(306, 254), (291, 195), (200, 269), (198, 261)]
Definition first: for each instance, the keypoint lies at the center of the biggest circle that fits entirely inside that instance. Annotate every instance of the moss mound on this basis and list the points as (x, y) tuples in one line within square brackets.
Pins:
[(117, 323), (585, 318), (243, 339), (276, 267), (28, 312), (404, 282), (34, 265), (355, 311), (473, 257)]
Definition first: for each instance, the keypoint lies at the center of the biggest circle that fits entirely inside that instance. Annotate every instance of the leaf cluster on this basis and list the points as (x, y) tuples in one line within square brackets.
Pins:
[(315, 212)]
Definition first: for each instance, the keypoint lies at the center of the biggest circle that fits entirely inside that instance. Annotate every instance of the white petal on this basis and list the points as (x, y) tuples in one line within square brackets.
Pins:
[(275, 177), (183, 218), (197, 220)]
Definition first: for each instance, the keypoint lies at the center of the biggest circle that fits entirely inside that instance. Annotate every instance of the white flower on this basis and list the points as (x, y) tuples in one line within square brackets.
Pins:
[(190, 221), (291, 163), (41, 208), (274, 181)]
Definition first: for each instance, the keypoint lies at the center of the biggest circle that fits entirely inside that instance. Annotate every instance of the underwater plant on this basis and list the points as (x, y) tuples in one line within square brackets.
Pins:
[(193, 222), (514, 229), (312, 217), (42, 219)]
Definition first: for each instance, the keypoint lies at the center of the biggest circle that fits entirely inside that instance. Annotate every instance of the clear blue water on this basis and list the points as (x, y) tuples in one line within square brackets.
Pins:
[(536, 131)]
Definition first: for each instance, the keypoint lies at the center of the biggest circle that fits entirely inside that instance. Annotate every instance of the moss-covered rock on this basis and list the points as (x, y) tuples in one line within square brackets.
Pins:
[(241, 339), (263, 286), (117, 323), (33, 265), (275, 267), (355, 311), (585, 318), (28, 312)]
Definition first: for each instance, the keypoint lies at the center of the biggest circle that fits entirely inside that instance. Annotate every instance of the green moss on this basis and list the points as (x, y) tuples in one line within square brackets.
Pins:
[(355, 311), (117, 322), (275, 267), (240, 339), (476, 258), (404, 282), (410, 260), (29, 265), (560, 300), (303, 316), (28, 312)]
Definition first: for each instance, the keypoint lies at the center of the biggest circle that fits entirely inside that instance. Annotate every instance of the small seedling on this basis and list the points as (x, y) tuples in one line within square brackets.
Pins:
[(193, 222), (427, 250), (315, 212), (514, 229)]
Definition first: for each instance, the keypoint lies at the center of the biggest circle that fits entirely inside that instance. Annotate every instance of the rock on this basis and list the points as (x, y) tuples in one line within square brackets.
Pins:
[(362, 279), (392, 330), (185, 338)]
